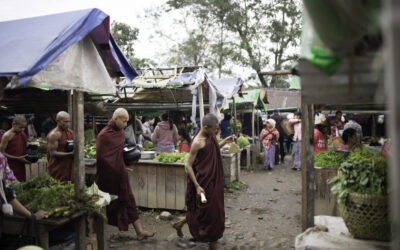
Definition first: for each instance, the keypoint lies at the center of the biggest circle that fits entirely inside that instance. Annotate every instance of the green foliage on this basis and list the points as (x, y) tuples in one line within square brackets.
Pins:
[(237, 185), (90, 150), (242, 142), (171, 158), (238, 126), (148, 146), (363, 172), (328, 159), (58, 199)]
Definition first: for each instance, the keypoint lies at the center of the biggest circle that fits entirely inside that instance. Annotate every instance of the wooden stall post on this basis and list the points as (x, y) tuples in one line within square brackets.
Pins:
[(79, 167), (307, 165), (254, 156), (201, 103), (392, 65), (70, 108), (234, 116)]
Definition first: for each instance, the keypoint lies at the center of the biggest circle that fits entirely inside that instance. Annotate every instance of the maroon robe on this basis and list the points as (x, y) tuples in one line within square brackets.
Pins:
[(112, 176), (61, 168), (207, 221), (17, 147)]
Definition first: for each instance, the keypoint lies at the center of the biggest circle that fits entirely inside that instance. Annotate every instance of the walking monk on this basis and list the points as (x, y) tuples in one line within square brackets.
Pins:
[(206, 221), (112, 175), (13, 146), (59, 161)]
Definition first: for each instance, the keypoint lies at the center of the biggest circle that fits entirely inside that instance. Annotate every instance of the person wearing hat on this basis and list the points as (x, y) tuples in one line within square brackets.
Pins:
[(354, 125), (320, 134), (269, 137)]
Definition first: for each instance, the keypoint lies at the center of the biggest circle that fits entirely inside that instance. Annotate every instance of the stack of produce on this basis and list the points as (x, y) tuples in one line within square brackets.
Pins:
[(171, 158), (90, 150), (363, 172), (328, 159), (243, 141), (58, 199), (148, 146)]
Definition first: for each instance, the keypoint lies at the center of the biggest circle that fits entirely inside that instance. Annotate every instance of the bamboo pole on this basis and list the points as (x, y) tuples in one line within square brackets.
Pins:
[(201, 103), (254, 156), (79, 167)]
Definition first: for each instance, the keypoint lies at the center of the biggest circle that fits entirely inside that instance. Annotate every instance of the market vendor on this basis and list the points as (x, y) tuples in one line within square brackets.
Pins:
[(354, 125), (13, 146), (320, 134), (147, 129), (60, 160), (112, 175), (165, 135), (184, 141), (206, 221), (337, 124), (349, 141)]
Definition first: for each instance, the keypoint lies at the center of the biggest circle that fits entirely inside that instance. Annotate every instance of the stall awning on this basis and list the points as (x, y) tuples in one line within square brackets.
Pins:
[(28, 45)]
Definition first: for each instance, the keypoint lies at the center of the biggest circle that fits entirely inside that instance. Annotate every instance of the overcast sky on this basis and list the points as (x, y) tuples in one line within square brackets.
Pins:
[(131, 12)]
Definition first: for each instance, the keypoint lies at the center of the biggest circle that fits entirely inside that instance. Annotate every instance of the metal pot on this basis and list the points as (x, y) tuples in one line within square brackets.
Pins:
[(131, 154), (69, 147)]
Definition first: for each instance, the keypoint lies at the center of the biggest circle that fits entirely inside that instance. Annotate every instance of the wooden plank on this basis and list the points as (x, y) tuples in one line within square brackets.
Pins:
[(134, 182), (170, 189), (180, 188), (142, 185), (392, 73), (325, 203), (161, 186), (28, 171), (307, 165), (152, 186)]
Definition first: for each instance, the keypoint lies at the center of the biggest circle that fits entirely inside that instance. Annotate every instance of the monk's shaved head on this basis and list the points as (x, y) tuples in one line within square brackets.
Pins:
[(210, 120), (120, 112), (19, 119), (62, 115)]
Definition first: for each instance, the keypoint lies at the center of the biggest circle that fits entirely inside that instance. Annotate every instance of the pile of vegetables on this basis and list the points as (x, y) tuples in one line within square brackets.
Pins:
[(238, 126), (363, 172), (90, 150), (171, 158), (328, 159), (243, 141), (58, 199), (148, 146)]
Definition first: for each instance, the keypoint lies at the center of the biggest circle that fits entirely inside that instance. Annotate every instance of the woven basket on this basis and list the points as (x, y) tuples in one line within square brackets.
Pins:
[(367, 216)]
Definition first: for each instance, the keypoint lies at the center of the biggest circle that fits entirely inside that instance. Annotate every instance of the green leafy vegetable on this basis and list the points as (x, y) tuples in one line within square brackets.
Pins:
[(363, 172), (328, 159), (90, 151), (171, 158), (243, 142), (148, 146), (58, 199)]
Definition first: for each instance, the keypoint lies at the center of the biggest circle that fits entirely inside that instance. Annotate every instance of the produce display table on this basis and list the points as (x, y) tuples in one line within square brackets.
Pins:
[(14, 225), (336, 237), (158, 185), (324, 201)]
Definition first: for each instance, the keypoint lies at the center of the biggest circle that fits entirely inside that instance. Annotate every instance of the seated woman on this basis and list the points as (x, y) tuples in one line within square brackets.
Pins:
[(349, 143), (184, 141)]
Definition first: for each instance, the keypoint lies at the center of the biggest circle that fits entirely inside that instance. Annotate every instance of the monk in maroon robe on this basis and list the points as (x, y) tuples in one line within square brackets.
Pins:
[(112, 175), (206, 221), (13, 146), (60, 162)]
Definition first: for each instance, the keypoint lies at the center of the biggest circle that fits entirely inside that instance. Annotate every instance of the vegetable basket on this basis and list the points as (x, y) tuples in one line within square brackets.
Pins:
[(367, 216)]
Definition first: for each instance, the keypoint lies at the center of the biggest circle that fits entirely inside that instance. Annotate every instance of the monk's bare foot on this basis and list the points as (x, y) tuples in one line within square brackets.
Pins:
[(178, 227), (217, 246), (145, 234)]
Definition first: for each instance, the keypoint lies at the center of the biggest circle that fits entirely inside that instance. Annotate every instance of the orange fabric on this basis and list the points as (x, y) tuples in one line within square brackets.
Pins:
[(62, 168)]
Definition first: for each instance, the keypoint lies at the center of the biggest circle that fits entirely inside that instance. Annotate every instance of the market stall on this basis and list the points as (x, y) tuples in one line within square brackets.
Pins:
[(72, 51), (341, 76)]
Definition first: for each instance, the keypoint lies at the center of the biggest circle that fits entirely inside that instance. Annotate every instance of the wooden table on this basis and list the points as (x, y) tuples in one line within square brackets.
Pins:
[(14, 224), (158, 185)]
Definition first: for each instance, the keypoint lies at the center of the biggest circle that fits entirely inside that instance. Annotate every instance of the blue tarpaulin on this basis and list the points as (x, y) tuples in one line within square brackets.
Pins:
[(28, 45)]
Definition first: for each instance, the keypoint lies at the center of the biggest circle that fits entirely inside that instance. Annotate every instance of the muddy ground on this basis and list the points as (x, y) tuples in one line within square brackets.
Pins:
[(265, 214)]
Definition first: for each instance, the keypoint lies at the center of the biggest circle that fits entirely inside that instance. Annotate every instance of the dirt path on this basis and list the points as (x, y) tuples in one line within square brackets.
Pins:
[(264, 215)]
